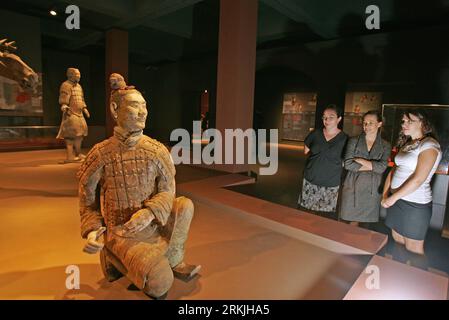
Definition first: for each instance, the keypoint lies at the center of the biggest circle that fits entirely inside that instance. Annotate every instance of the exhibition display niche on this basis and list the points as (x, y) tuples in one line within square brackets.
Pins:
[(21, 111), (298, 115)]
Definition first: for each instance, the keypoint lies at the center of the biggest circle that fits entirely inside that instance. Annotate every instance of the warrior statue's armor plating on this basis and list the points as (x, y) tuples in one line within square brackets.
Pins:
[(127, 184)]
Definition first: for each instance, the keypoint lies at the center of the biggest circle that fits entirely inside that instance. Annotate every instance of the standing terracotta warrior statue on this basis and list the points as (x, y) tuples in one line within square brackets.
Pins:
[(73, 125), (127, 189)]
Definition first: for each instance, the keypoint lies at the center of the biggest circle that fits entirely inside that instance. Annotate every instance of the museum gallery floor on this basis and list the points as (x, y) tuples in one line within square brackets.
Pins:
[(248, 248)]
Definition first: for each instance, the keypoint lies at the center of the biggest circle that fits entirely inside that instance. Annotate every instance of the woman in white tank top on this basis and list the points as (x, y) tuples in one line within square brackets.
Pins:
[(407, 194)]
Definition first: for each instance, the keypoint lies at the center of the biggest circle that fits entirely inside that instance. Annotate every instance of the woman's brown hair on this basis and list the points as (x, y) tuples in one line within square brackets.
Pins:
[(427, 127), (373, 113)]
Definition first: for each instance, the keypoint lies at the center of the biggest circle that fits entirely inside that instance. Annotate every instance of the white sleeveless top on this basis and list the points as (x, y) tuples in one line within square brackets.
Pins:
[(406, 162)]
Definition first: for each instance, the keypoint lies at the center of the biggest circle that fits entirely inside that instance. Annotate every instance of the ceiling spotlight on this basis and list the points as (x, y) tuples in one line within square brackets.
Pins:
[(53, 12)]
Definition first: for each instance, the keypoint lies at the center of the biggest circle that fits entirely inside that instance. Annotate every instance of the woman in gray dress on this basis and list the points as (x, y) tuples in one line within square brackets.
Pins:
[(366, 159)]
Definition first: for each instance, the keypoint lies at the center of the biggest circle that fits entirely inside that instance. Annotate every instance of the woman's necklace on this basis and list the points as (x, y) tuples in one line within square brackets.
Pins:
[(413, 144)]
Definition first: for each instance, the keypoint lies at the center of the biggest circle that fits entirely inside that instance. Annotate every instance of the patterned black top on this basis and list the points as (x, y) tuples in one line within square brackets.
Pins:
[(324, 164)]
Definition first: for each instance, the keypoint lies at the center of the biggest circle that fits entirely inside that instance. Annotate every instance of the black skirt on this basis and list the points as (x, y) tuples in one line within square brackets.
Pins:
[(409, 219)]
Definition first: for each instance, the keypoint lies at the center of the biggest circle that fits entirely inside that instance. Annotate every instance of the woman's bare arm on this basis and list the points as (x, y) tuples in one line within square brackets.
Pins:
[(426, 161), (306, 150)]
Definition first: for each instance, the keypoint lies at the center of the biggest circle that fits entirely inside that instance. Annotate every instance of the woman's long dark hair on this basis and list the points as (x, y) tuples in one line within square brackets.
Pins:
[(427, 127)]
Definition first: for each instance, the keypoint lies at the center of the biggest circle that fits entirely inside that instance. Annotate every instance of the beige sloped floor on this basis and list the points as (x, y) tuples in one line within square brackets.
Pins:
[(39, 239)]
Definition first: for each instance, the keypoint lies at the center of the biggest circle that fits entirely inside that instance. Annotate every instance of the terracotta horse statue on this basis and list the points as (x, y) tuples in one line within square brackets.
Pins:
[(12, 67)]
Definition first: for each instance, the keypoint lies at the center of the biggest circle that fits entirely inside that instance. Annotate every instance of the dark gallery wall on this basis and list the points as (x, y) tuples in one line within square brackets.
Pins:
[(406, 66), (173, 86), (271, 84), (172, 90), (26, 31), (173, 93), (409, 66)]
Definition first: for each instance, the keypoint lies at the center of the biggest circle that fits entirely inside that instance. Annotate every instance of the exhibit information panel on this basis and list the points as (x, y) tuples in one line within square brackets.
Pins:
[(16, 101), (298, 115), (358, 103)]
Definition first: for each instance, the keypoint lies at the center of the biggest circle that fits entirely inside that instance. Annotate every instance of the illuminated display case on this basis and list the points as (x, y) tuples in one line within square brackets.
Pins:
[(29, 137), (298, 115), (21, 119)]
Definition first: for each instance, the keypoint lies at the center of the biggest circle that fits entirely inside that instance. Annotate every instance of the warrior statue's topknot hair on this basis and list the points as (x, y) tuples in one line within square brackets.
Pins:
[(119, 88)]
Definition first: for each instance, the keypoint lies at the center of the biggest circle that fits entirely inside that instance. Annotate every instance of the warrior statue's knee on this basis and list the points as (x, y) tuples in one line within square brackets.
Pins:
[(159, 279), (184, 206)]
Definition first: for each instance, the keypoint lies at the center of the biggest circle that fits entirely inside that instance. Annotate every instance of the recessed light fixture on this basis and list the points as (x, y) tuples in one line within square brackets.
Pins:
[(53, 12)]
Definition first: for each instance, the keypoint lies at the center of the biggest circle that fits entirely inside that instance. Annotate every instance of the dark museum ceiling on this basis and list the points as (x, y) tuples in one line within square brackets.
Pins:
[(163, 31)]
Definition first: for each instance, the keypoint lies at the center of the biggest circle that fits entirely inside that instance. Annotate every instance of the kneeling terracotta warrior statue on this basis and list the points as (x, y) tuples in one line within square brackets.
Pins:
[(127, 189)]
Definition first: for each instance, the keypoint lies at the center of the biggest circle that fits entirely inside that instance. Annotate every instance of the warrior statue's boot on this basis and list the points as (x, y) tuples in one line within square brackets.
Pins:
[(177, 230), (186, 271)]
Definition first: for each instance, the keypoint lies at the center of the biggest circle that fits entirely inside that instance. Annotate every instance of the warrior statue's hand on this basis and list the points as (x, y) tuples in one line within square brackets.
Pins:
[(65, 108), (86, 112), (139, 221), (93, 246)]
